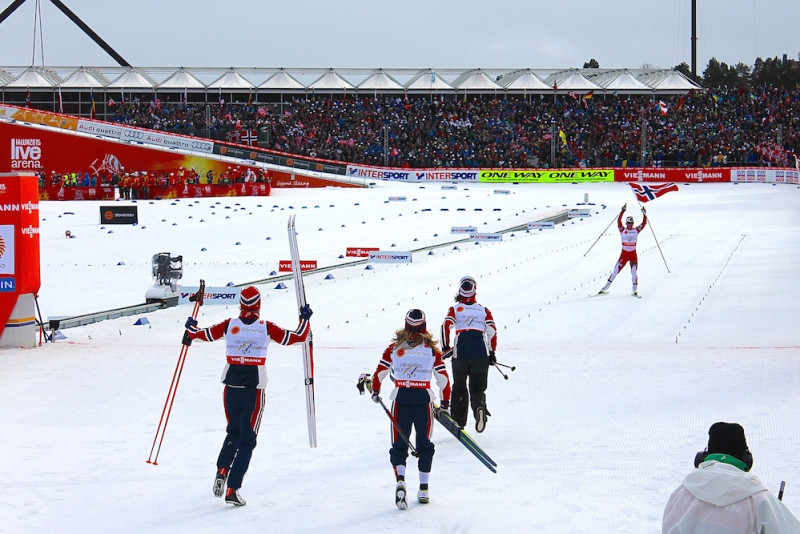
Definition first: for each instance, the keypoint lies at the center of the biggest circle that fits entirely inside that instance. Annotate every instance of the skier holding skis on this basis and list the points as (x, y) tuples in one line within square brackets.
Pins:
[(720, 495), (472, 351), (413, 360), (629, 236), (247, 339)]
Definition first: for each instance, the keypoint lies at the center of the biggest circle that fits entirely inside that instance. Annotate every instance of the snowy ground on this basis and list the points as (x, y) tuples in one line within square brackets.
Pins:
[(611, 398)]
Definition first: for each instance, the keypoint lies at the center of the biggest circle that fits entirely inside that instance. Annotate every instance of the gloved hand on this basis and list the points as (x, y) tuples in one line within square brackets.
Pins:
[(186, 339), (445, 407), (492, 358), (306, 313), (191, 324), (644, 211), (447, 354), (376, 397), (624, 207), (364, 383)]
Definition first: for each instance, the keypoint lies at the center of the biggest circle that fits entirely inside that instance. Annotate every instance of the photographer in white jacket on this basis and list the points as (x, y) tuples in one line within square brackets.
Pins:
[(721, 497)]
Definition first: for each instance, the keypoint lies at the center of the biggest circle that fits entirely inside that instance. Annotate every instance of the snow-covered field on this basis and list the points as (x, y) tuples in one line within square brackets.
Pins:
[(611, 397)]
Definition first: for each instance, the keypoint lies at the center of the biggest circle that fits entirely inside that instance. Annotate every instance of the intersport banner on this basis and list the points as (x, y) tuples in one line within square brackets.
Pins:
[(413, 175), (547, 176)]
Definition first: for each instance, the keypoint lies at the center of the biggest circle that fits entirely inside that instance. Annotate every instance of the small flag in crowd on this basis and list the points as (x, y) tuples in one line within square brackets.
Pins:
[(111, 102), (646, 192), (28, 98), (573, 94), (249, 137), (663, 106), (588, 95), (94, 111), (563, 137)]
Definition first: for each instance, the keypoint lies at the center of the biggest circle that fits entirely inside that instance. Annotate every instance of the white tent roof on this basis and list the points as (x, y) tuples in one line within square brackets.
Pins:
[(231, 80), (133, 79), (571, 81), (669, 81), (5, 77), (476, 80), (523, 79), (619, 80), (381, 81), (281, 80), (84, 77), (36, 77), (182, 79), (427, 80), (331, 80)]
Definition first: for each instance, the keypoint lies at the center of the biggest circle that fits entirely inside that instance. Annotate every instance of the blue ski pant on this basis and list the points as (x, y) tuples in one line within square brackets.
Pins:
[(243, 410), (420, 417)]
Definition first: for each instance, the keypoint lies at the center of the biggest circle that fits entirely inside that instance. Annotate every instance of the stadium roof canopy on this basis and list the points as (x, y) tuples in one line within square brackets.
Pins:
[(306, 80)]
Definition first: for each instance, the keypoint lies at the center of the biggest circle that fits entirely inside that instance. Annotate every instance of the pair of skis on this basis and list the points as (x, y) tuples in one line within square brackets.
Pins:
[(308, 345), (454, 428)]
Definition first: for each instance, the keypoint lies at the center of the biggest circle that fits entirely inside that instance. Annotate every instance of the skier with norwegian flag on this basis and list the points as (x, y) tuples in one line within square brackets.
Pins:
[(629, 235)]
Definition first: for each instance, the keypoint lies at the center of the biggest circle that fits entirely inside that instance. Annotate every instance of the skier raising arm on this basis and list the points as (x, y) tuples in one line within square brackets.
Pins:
[(247, 339), (473, 352), (414, 361), (629, 236)]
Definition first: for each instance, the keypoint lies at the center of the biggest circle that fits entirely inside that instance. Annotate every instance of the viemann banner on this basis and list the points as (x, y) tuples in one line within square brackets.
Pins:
[(547, 176)]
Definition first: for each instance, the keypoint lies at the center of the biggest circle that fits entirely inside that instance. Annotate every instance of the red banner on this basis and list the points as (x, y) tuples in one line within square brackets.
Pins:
[(19, 240), (305, 265), (670, 174), (360, 252)]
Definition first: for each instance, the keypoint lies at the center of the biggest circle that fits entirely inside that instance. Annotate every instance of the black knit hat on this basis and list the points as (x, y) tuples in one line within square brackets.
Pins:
[(727, 438), (415, 321)]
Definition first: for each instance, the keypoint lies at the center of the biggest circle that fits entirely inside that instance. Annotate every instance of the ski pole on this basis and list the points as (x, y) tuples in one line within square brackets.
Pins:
[(780, 491), (41, 322), (657, 243), (397, 427), (513, 368), (500, 371), (176, 376), (601, 235)]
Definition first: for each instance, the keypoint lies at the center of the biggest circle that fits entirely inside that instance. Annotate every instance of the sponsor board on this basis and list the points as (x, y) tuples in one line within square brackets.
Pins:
[(449, 187), (360, 252), (656, 174), (26, 154), (579, 212), (555, 176), (502, 191), (305, 265), (548, 225), (486, 237), (463, 229), (770, 176), (397, 199), (119, 215), (383, 256), (432, 175), (212, 295)]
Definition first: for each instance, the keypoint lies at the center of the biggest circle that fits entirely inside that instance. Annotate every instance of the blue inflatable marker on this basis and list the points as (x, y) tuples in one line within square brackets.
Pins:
[(280, 285), (329, 277), (141, 321)]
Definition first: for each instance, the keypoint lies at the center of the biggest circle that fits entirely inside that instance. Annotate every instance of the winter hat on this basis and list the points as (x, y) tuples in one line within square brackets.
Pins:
[(467, 287), (415, 321), (727, 438), (250, 300)]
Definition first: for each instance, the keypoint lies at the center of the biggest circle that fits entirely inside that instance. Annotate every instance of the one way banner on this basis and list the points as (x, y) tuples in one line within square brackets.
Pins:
[(646, 193)]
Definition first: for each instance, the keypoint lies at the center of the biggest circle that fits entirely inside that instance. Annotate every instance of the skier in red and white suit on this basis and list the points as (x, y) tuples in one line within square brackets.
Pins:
[(629, 236), (247, 339), (414, 362)]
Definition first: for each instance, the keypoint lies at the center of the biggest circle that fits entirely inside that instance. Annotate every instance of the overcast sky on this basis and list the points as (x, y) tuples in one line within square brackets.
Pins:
[(403, 34)]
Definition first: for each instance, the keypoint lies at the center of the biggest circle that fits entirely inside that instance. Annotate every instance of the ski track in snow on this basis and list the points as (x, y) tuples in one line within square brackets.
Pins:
[(598, 424)]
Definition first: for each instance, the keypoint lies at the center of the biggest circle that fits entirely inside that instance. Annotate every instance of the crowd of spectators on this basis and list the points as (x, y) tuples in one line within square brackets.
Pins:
[(708, 128)]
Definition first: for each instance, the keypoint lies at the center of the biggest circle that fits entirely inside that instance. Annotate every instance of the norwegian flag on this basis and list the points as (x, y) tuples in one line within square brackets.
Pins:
[(233, 136), (249, 137), (645, 193), (663, 107)]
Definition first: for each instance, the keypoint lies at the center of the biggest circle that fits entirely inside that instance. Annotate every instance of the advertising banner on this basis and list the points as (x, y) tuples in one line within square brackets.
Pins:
[(579, 212), (19, 247), (384, 256), (463, 229), (547, 176), (119, 215), (486, 237), (416, 175), (305, 265), (771, 176), (547, 225), (212, 295), (360, 252), (668, 174)]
